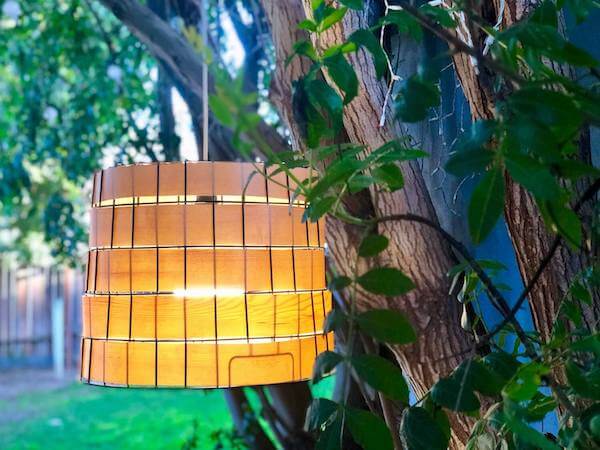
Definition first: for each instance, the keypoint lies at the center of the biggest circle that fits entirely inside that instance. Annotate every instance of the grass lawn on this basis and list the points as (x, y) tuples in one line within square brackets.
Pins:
[(86, 417)]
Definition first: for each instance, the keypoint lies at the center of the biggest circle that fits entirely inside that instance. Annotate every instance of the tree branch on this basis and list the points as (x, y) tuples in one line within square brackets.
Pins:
[(587, 195), (167, 45), (498, 300)]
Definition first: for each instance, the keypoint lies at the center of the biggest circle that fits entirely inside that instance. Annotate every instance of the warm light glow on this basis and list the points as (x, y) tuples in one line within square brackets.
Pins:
[(201, 274), (208, 292)]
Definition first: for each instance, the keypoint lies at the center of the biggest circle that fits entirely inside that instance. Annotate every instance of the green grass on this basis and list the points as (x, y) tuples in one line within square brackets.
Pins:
[(87, 417)]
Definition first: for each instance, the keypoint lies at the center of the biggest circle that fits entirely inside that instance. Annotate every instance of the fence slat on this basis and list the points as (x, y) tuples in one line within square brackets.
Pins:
[(26, 297)]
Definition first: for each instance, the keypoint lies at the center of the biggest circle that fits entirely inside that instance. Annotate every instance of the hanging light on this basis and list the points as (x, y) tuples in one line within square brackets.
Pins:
[(201, 274)]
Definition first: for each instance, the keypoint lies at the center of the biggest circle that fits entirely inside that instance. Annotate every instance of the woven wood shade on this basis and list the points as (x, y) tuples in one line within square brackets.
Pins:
[(201, 275)]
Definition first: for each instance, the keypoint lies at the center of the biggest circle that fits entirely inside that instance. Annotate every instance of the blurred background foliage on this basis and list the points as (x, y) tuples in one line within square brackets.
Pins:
[(76, 89)]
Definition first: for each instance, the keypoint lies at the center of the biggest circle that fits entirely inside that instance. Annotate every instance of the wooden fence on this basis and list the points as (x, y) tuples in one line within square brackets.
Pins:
[(28, 325)]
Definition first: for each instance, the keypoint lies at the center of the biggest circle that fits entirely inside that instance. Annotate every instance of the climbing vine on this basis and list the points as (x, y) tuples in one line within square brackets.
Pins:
[(510, 381)]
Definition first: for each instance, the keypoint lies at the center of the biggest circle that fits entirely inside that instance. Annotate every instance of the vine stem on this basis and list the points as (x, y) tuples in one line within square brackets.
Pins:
[(498, 300), (589, 193)]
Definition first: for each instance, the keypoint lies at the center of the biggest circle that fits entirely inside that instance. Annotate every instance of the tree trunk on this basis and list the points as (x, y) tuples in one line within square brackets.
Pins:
[(530, 237), (246, 424), (421, 253), (167, 135)]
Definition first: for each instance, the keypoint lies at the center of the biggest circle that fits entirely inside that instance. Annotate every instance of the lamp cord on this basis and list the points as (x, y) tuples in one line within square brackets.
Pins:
[(204, 25)]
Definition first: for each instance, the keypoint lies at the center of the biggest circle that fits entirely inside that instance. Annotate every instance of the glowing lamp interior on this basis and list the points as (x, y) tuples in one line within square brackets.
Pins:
[(201, 275)]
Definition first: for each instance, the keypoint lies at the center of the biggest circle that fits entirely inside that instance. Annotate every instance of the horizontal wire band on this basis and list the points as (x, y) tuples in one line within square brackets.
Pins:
[(178, 294), (210, 247), (218, 341), (195, 200)]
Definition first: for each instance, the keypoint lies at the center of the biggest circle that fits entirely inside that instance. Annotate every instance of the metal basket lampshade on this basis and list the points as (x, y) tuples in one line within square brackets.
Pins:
[(201, 275)]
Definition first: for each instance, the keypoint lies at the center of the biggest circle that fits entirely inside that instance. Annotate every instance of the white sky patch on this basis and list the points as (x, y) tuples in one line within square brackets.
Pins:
[(233, 58), (234, 50), (183, 128)]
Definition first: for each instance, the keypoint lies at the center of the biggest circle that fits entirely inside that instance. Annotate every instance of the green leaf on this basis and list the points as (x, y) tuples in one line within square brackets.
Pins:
[(502, 364), (352, 4), (440, 14), (469, 161), (534, 176), (359, 182), (334, 321), (561, 219), (479, 377), (454, 395), (573, 169), (334, 16), (321, 410), (308, 25), (221, 111), (343, 75), (470, 154), (405, 23), (420, 431), (389, 175), (382, 375), (330, 436), (324, 364), (545, 14), (396, 151), (303, 47), (486, 204), (585, 384), (385, 281), (372, 245), (316, 4), (339, 283), (524, 385), (587, 344), (323, 96), (415, 99), (539, 407), (529, 435), (368, 430), (319, 208), (366, 38), (386, 325)]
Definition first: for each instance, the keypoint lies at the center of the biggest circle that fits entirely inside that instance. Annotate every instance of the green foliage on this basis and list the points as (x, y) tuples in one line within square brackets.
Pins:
[(368, 430), (382, 375), (486, 204), (385, 281), (386, 325), (324, 365), (532, 140), (67, 100), (420, 431), (372, 245)]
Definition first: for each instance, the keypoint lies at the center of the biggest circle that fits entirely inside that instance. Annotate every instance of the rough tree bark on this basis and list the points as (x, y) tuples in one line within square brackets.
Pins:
[(530, 237), (441, 343)]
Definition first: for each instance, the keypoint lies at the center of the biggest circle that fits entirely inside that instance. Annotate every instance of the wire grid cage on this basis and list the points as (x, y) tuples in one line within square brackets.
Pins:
[(202, 275)]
